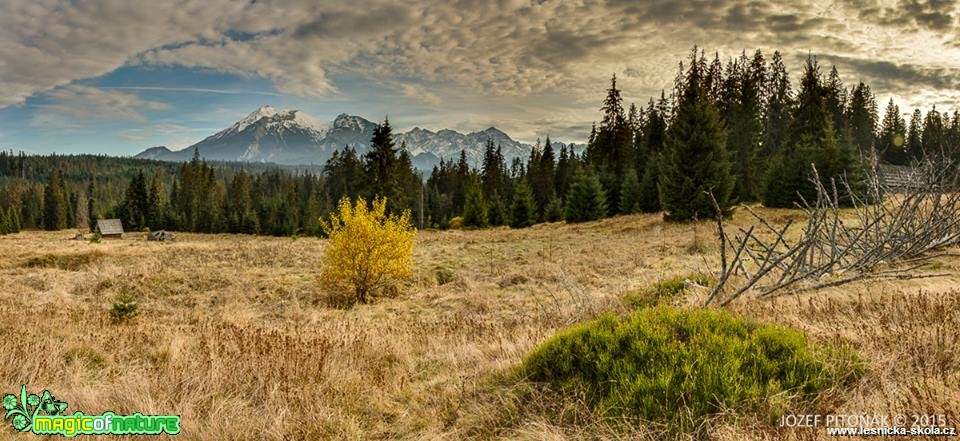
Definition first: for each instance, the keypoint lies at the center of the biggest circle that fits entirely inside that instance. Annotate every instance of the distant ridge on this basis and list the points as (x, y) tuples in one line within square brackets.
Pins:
[(291, 137)]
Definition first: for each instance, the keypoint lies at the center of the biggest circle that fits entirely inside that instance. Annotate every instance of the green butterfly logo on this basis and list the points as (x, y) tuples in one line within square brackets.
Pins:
[(29, 406)]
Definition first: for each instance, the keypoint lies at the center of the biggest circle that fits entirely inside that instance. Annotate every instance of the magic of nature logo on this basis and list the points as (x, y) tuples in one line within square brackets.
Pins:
[(44, 415)]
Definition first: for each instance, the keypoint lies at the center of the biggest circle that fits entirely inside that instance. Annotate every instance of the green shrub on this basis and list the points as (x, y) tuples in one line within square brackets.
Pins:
[(586, 200), (676, 366), (444, 275), (666, 290), (96, 237), (523, 210), (125, 308)]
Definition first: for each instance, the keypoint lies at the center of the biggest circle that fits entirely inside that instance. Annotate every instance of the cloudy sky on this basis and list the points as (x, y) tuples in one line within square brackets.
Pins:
[(116, 76)]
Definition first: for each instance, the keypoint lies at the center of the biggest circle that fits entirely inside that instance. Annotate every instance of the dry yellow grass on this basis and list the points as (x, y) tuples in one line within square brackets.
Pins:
[(236, 335)]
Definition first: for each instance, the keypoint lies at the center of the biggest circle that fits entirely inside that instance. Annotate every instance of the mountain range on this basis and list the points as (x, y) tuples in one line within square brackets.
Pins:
[(291, 137)]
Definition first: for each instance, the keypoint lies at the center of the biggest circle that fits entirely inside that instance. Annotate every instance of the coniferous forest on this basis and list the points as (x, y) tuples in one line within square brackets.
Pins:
[(738, 131)]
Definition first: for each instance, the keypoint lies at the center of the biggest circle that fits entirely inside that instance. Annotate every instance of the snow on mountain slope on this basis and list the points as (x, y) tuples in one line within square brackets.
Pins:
[(293, 137)]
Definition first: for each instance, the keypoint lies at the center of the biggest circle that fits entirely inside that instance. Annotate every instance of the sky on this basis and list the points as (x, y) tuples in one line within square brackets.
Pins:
[(118, 76)]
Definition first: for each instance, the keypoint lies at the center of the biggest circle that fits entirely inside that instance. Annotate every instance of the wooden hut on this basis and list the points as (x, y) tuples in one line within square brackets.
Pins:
[(110, 228)]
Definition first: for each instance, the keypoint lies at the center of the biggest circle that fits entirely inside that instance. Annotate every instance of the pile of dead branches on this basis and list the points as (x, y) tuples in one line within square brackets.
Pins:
[(885, 233)]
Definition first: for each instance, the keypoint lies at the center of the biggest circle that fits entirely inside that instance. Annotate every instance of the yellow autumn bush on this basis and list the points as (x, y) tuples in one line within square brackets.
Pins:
[(368, 248)]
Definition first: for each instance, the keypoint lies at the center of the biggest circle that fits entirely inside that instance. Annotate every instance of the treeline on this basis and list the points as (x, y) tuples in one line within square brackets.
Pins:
[(67, 181), (71, 191), (727, 133)]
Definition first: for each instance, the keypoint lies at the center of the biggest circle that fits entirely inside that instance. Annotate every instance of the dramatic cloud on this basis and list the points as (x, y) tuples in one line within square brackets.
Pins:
[(934, 15), (431, 53)]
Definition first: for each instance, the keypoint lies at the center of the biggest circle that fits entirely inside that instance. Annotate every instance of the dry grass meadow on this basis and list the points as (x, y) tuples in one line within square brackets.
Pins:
[(236, 335)]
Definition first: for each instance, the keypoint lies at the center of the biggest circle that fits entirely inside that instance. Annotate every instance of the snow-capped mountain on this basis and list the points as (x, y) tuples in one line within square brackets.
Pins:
[(447, 143), (266, 135), (293, 137)]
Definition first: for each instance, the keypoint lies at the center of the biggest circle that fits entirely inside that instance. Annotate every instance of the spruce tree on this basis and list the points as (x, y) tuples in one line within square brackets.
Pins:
[(610, 150), (631, 197), (54, 203), (553, 212), (543, 191), (813, 142), (92, 210), (380, 160), (932, 136), (742, 113), (133, 209), (565, 167), (72, 202), (460, 182), (586, 200), (914, 136), (523, 211), (862, 119), (695, 161), (17, 220), (951, 139), (407, 183), (891, 141), (155, 201), (497, 213), (835, 100), (491, 170), (654, 135), (779, 104), (475, 210), (240, 208), (649, 194)]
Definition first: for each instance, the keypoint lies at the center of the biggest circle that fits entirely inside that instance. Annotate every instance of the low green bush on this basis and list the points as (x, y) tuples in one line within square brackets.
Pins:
[(444, 275), (125, 308), (666, 290), (677, 366)]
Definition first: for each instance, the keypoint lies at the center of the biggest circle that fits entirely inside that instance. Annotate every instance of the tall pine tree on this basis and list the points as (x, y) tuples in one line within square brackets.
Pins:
[(891, 141), (914, 136), (380, 163), (813, 141), (55, 203), (695, 161), (779, 106), (932, 137), (862, 118), (610, 150)]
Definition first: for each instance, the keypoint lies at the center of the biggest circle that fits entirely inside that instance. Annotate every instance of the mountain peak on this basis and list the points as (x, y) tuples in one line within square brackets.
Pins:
[(351, 122), (157, 152), (294, 137), (261, 112)]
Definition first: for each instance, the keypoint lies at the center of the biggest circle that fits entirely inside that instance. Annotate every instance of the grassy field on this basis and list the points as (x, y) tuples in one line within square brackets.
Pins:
[(235, 334)]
